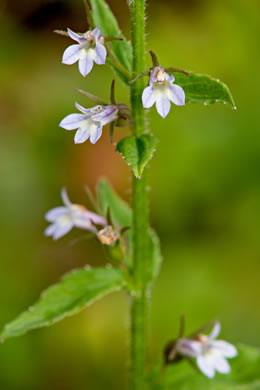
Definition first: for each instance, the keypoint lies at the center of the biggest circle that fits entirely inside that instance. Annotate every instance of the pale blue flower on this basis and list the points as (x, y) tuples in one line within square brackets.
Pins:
[(162, 91), (89, 49), (210, 354), (64, 218), (90, 122)]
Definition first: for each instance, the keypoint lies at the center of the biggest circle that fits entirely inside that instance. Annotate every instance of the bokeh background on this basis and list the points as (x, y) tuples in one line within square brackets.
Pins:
[(204, 181)]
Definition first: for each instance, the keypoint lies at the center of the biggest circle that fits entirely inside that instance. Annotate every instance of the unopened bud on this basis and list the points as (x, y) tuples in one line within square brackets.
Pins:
[(108, 235)]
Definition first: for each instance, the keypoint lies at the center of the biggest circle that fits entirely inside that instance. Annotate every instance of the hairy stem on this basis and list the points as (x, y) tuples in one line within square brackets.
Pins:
[(140, 208)]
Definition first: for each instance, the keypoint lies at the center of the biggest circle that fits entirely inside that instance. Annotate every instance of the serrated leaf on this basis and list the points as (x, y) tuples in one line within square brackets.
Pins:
[(106, 21), (245, 374), (203, 89), (137, 151), (76, 290)]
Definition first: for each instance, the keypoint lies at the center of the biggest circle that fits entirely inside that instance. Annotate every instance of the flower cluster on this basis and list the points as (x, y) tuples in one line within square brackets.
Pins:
[(210, 354), (91, 48)]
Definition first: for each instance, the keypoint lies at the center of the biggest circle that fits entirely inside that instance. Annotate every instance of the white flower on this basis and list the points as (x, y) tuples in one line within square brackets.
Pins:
[(161, 91), (90, 48), (210, 354), (64, 218), (90, 122)]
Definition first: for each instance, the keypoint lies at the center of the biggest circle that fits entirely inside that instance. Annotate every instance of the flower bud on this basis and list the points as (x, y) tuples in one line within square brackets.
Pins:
[(108, 235)]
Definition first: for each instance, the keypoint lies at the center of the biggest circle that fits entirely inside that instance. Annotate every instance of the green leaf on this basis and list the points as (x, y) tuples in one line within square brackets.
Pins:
[(137, 151), (203, 89), (121, 212), (76, 290), (106, 21), (245, 374)]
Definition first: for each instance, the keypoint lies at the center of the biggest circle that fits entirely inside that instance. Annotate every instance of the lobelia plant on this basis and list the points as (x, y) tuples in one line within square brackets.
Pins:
[(131, 245)]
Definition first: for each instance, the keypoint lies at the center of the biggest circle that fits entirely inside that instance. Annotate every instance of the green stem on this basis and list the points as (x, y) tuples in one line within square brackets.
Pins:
[(90, 19), (140, 208)]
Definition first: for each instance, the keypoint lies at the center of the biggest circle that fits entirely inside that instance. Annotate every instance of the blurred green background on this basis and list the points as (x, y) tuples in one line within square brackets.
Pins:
[(204, 180)]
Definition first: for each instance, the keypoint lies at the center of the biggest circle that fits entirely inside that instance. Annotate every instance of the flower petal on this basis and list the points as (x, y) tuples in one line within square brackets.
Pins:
[(205, 366), (85, 219), (85, 65), (85, 224), (101, 54), (82, 221), (95, 134), (196, 346), (65, 198), (215, 331), (189, 347), (49, 231), (107, 115), (72, 121), (55, 213), (221, 365), (163, 104), (176, 95), (96, 32), (75, 36), (87, 111), (81, 135), (63, 229), (71, 54), (226, 349), (153, 74), (148, 97), (96, 219), (170, 78)]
